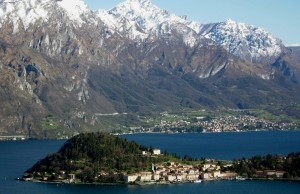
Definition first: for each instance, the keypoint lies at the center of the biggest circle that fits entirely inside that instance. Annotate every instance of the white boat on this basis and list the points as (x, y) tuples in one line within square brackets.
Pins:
[(240, 178), (198, 181)]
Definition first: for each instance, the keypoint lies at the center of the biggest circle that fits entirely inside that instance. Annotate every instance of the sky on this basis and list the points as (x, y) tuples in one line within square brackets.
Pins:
[(280, 17)]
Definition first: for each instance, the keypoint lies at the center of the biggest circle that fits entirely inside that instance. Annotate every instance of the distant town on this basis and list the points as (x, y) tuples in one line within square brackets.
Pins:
[(208, 122), (199, 121), (12, 138)]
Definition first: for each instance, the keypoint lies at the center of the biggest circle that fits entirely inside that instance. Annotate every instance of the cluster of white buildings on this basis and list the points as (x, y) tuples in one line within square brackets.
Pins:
[(240, 123), (171, 172), (12, 138)]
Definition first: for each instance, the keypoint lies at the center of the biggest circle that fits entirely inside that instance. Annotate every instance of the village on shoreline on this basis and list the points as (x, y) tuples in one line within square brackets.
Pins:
[(169, 173), (200, 121), (229, 123)]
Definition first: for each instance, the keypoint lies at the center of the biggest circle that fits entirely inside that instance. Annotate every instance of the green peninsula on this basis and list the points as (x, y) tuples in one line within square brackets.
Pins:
[(96, 158), (101, 158)]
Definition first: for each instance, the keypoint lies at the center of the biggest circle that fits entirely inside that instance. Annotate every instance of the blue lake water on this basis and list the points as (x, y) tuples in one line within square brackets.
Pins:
[(226, 146), (17, 156)]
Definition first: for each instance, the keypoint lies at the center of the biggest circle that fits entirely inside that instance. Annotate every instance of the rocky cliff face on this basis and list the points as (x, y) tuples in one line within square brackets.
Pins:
[(63, 68)]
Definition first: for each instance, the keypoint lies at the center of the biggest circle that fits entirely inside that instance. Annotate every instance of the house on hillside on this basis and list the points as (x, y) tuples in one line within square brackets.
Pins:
[(208, 167), (156, 152)]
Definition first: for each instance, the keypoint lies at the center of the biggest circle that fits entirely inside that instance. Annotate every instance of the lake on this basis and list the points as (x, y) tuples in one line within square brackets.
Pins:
[(226, 146), (17, 156)]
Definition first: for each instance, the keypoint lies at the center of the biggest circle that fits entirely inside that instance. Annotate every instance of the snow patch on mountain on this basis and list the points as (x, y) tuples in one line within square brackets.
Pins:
[(107, 18), (30, 11), (75, 9), (26, 11)]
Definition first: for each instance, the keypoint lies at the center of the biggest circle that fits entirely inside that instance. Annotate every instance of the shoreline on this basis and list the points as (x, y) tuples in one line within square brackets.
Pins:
[(206, 132), (138, 183), (169, 133)]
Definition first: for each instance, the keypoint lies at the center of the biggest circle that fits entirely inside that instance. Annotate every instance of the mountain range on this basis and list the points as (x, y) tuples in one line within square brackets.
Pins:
[(65, 67)]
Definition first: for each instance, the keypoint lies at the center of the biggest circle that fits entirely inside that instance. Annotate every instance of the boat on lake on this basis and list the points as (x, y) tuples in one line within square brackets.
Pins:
[(198, 181), (238, 178)]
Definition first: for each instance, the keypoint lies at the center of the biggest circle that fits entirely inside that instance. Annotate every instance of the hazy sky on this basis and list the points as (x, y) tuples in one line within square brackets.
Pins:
[(280, 17)]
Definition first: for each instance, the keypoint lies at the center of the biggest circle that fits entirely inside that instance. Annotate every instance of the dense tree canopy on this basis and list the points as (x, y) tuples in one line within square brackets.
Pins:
[(289, 164), (87, 155)]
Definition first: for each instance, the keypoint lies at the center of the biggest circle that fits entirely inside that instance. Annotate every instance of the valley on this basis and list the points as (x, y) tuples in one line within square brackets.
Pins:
[(64, 72)]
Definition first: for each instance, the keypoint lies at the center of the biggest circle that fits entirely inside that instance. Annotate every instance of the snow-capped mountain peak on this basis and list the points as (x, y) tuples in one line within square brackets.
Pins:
[(245, 41), (141, 19), (141, 12)]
